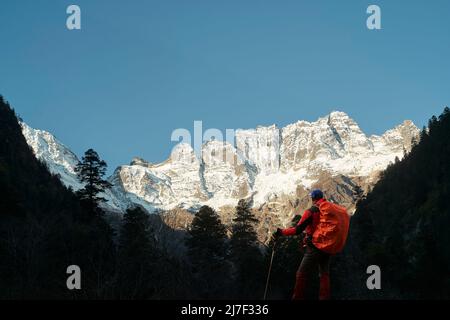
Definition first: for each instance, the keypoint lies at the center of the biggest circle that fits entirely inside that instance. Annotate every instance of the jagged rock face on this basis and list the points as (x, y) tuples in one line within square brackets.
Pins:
[(272, 166), (330, 138), (60, 160), (401, 138), (336, 144), (225, 171), (169, 184), (261, 147)]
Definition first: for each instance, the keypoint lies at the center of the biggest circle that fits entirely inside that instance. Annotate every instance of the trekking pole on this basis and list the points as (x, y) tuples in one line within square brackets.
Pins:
[(270, 269)]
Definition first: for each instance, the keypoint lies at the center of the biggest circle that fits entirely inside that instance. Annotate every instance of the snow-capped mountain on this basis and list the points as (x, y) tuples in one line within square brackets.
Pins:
[(265, 163), (58, 158), (61, 161)]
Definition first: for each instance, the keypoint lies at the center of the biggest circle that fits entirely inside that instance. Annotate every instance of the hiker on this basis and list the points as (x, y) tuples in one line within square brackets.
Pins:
[(325, 226)]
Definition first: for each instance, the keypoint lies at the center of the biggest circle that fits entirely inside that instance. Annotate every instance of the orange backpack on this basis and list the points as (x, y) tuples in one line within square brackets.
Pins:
[(331, 231)]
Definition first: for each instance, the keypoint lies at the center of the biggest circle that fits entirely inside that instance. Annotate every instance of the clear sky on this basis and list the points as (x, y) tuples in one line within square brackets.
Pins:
[(139, 69)]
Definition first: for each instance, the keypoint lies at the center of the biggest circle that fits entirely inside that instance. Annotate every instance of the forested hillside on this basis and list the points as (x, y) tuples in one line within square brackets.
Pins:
[(403, 225)]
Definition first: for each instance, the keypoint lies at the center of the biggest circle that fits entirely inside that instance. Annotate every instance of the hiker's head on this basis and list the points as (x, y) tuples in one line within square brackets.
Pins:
[(316, 195)]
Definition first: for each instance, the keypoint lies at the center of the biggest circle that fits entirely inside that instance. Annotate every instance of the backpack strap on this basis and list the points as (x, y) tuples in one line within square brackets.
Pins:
[(314, 209)]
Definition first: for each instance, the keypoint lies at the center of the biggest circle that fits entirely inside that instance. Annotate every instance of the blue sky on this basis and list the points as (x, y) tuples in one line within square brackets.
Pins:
[(139, 69)]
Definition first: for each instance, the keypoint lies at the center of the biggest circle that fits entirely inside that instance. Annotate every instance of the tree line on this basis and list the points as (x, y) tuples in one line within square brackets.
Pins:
[(400, 225), (45, 227)]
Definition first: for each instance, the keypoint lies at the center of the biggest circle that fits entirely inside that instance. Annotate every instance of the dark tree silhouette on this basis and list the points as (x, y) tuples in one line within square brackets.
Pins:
[(207, 249), (41, 230), (137, 257), (91, 171), (245, 254), (402, 225)]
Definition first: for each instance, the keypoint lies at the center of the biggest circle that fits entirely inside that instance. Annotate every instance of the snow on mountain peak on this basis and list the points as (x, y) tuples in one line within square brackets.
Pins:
[(264, 163), (58, 158), (139, 161), (402, 136), (339, 116)]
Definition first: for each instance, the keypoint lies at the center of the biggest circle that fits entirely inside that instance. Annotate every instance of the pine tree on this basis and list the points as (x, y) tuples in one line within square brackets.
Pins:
[(137, 257), (41, 232), (245, 253), (91, 171), (402, 225), (207, 250)]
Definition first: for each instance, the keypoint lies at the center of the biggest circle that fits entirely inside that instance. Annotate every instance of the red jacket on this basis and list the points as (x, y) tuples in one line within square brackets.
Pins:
[(307, 223)]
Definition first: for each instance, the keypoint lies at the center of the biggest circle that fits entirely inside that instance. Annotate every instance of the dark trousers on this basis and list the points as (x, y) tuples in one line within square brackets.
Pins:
[(313, 260)]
